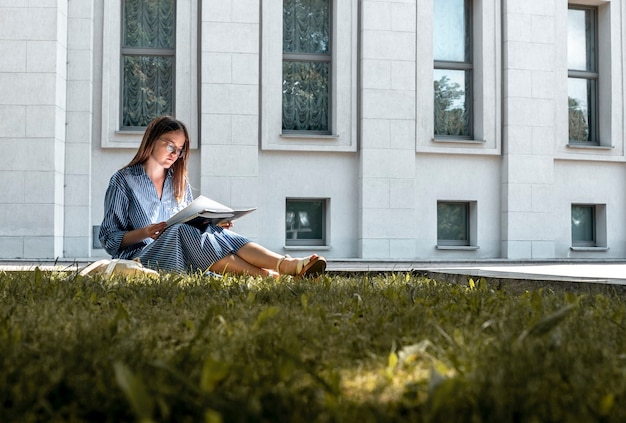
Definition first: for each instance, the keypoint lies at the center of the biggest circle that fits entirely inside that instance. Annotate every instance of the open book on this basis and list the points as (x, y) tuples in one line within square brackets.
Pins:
[(203, 211)]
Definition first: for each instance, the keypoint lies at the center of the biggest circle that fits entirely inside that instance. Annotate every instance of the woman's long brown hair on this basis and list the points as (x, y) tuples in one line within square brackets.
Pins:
[(157, 128)]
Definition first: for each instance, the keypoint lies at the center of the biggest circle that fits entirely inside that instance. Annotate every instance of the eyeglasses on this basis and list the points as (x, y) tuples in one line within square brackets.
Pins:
[(171, 148)]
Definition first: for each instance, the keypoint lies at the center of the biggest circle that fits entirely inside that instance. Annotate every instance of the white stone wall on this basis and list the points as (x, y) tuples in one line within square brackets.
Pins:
[(529, 129), (229, 110), (33, 89), (79, 130), (382, 171), (387, 164)]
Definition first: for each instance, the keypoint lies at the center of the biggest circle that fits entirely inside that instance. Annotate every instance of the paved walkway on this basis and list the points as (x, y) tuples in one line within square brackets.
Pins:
[(601, 273), (604, 272), (612, 272)]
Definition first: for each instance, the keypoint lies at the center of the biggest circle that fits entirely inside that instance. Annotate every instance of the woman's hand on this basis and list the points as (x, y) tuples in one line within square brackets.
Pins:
[(155, 230), (137, 235)]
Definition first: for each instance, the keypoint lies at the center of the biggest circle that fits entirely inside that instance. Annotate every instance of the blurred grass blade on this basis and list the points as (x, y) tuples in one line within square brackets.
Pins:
[(212, 416), (213, 371), (37, 277), (135, 392), (410, 353), (606, 404), (548, 323), (392, 362), (266, 314)]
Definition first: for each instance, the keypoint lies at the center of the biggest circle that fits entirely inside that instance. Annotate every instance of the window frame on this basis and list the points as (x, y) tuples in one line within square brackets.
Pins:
[(315, 58), (471, 230), (586, 242), (343, 83), (611, 125), (486, 18), (185, 73), (599, 227), (321, 242), (142, 51), (466, 66), (589, 75)]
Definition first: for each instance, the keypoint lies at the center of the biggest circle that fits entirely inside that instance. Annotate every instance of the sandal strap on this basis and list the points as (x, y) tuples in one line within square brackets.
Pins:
[(280, 261), (301, 263)]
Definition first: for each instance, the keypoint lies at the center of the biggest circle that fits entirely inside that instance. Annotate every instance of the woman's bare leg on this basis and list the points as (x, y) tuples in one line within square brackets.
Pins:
[(260, 257), (236, 265), (256, 260)]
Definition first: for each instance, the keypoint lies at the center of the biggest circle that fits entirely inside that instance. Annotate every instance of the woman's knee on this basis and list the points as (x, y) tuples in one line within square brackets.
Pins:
[(223, 264)]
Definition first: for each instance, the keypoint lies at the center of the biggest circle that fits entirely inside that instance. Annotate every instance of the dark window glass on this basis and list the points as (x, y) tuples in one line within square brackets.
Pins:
[(583, 225), (305, 222), (452, 223)]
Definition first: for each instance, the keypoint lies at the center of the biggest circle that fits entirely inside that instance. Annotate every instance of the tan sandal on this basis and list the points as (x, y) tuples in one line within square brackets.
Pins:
[(280, 261), (310, 266)]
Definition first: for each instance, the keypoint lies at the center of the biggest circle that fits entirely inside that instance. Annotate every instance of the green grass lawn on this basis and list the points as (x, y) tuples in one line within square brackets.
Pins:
[(363, 348)]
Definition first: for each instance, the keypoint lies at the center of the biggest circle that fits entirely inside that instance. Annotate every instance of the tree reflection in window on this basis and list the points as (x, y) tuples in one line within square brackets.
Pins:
[(578, 121), (583, 75), (452, 113), (452, 52)]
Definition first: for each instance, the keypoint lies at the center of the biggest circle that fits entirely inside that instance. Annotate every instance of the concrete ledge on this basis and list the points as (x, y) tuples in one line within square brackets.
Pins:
[(517, 284)]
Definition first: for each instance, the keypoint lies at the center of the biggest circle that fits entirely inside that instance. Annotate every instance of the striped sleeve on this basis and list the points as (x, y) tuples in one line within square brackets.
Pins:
[(115, 222)]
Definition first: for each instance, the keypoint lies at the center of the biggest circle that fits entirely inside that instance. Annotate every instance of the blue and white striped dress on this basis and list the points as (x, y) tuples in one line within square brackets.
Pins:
[(131, 202)]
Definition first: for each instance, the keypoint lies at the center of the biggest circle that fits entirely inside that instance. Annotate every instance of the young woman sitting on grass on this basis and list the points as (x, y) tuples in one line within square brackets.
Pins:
[(152, 188)]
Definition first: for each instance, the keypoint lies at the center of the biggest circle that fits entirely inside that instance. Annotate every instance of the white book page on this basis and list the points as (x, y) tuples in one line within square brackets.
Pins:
[(199, 205)]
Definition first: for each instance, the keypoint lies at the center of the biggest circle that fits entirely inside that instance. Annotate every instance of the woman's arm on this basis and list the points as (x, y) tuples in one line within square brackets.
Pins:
[(115, 218), (137, 235), (115, 235)]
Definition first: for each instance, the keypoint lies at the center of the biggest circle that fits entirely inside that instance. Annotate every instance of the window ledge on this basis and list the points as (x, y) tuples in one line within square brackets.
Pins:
[(590, 147), (130, 132), (457, 141), (457, 247), (596, 249), (310, 136), (307, 247)]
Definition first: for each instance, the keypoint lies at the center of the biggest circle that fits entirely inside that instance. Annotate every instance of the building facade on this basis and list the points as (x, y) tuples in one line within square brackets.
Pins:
[(367, 129)]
